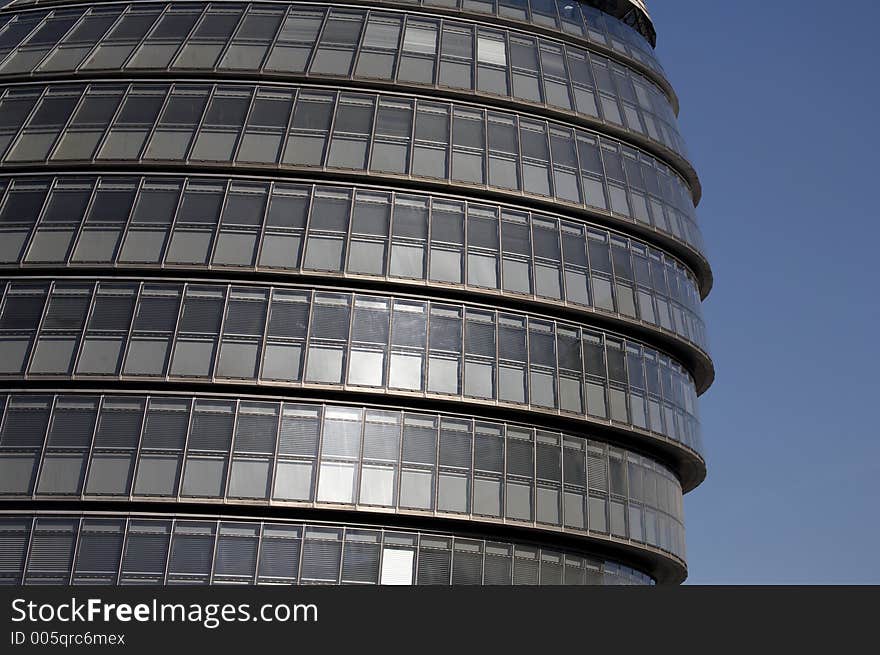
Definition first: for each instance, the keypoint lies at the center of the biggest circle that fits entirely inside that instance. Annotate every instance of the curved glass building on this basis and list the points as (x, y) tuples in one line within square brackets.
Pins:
[(400, 292)]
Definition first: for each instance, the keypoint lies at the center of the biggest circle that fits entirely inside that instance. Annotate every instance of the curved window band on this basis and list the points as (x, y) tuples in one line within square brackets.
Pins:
[(577, 20), (358, 342), (402, 236), (393, 47), (282, 127), (319, 455), (149, 549)]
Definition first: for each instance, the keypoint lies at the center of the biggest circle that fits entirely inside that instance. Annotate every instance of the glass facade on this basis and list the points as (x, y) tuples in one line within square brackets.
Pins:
[(310, 129), (151, 550), (404, 48), (356, 231), (581, 20), (438, 261), (296, 337), (303, 453)]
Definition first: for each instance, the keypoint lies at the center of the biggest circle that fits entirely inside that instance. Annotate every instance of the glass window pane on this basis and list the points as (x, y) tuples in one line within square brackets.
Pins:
[(416, 489), (110, 474), (204, 476), (377, 485), (336, 483), (293, 481), (157, 475), (249, 479)]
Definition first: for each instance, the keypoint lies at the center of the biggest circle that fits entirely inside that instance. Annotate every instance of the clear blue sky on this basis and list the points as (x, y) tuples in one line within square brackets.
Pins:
[(780, 107)]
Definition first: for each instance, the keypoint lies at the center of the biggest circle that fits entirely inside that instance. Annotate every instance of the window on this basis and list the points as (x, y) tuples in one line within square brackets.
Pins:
[(416, 488), (157, 475), (204, 476), (47, 120), (110, 474), (133, 122), (99, 551), (208, 39), (100, 236), (256, 427), (154, 212), (430, 152), (379, 47), (342, 433), (468, 138), (366, 368), (285, 222), (329, 222), (573, 506), (393, 132), (197, 332), (309, 129), (382, 436), (406, 371), (453, 493), (456, 448), (482, 247), (330, 322), (419, 51), (369, 227), (51, 553), (447, 239), (236, 553), (249, 478), (78, 43), (266, 126), (377, 485), (295, 41), (487, 496), (177, 125), (457, 54), (192, 549), (146, 550), (351, 130), (107, 330), (408, 343), (222, 124), (62, 473), (294, 481), (279, 553), (397, 566), (491, 48), (18, 473), (211, 428), (361, 559), (14, 109), (242, 330), (63, 213), (336, 482), (409, 231), (163, 42), (339, 40), (419, 439), (64, 320), (288, 321), (252, 40)]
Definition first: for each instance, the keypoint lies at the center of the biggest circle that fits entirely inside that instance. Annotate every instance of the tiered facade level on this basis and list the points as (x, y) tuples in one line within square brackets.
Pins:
[(370, 292)]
